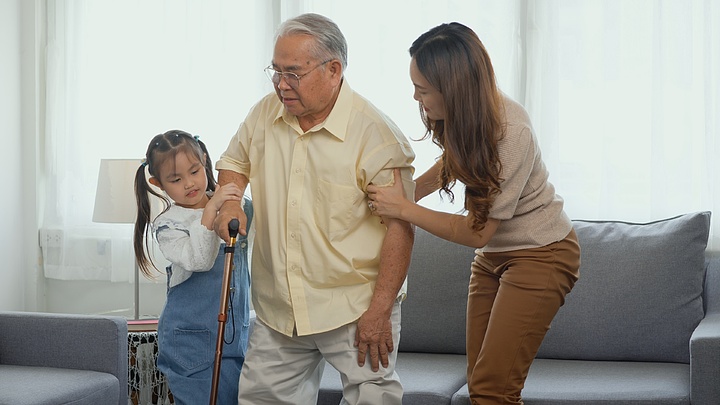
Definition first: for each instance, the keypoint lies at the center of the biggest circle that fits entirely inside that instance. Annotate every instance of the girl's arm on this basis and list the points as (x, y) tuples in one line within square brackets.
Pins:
[(194, 248), (390, 202)]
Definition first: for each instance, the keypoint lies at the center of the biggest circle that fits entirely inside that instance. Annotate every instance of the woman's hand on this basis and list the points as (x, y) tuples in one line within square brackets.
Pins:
[(388, 201)]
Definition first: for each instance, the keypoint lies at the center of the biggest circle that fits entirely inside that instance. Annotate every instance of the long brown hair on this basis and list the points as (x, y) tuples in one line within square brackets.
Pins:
[(162, 148), (452, 58)]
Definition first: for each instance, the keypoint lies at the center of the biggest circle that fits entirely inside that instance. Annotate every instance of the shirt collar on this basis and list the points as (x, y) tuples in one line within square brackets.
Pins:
[(336, 121)]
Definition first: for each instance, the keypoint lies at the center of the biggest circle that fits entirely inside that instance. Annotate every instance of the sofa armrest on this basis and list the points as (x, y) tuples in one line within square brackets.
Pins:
[(83, 342), (705, 361)]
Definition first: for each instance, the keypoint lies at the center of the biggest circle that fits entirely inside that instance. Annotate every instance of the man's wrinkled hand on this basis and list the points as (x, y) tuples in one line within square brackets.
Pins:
[(229, 211), (374, 338)]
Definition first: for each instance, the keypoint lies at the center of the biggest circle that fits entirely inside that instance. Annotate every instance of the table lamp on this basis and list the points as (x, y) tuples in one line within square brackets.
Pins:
[(115, 202)]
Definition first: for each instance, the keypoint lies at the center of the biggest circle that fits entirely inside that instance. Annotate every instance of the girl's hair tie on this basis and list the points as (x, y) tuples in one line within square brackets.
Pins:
[(197, 138), (143, 162)]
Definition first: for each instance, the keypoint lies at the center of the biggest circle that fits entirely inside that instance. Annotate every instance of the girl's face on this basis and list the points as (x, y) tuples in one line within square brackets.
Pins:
[(184, 180), (428, 96)]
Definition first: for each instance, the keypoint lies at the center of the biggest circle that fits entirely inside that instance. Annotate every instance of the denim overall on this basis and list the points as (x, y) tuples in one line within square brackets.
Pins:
[(188, 325)]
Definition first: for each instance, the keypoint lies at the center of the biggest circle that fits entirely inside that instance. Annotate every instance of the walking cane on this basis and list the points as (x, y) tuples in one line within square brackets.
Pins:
[(222, 316)]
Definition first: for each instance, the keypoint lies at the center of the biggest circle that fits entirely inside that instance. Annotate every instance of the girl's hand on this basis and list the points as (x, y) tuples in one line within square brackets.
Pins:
[(388, 201), (228, 192)]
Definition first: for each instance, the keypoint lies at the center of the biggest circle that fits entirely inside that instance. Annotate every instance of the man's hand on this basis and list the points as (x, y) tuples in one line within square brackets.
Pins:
[(228, 211), (231, 209), (374, 338)]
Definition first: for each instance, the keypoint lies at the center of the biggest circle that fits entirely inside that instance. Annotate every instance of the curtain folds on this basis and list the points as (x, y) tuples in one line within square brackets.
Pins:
[(624, 96)]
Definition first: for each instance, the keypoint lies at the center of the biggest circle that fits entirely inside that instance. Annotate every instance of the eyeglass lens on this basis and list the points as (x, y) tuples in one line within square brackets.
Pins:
[(290, 78)]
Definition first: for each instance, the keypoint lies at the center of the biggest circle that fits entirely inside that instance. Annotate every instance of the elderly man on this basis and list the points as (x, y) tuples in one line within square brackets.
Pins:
[(327, 276)]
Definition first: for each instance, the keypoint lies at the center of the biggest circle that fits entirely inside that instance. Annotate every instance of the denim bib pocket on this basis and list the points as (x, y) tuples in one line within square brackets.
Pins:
[(192, 348)]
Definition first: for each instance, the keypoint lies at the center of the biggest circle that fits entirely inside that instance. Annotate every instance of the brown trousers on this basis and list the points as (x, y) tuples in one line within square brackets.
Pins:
[(513, 298)]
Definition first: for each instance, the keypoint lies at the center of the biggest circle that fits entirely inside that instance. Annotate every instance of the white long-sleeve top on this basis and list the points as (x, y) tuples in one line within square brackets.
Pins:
[(185, 242)]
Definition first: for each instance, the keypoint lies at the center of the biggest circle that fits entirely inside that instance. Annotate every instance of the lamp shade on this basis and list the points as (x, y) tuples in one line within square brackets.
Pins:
[(115, 198)]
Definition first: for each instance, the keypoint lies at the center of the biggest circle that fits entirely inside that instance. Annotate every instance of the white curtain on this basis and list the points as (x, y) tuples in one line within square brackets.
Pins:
[(118, 73), (623, 95)]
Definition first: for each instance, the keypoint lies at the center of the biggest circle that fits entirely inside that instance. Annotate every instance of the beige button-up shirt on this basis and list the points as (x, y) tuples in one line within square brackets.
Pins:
[(317, 247)]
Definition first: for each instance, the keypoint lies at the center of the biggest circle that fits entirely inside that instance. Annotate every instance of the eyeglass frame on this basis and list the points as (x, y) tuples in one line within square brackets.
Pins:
[(271, 73)]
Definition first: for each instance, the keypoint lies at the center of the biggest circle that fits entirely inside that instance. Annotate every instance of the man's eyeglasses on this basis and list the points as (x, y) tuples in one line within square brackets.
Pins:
[(292, 79)]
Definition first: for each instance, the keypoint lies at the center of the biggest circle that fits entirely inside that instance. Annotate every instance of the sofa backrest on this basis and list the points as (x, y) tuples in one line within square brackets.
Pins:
[(639, 296), (640, 292), (433, 314)]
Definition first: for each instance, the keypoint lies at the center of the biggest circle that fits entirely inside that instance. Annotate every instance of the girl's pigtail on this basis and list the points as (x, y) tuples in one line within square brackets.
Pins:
[(208, 166), (142, 222)]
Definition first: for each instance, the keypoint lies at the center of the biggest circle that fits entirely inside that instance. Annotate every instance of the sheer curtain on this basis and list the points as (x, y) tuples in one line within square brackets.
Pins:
[(120, 73), (623, 95)]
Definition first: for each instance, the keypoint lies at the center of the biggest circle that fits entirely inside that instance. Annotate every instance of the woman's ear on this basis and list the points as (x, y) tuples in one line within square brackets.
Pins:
[(155, 182)]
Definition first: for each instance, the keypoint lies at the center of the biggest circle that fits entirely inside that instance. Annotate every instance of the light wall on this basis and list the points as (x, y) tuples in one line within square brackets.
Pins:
[(15, 210)]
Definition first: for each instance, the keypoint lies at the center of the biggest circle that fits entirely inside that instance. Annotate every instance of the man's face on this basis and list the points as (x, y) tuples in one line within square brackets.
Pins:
[(312, 97)]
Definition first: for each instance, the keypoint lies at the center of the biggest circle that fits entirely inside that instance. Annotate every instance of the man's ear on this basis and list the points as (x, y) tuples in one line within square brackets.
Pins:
[(155, 182), (336, 69)]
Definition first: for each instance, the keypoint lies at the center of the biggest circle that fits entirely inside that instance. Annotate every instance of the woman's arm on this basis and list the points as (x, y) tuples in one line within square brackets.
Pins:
[(390, 202), (427, 182), (453, 227)]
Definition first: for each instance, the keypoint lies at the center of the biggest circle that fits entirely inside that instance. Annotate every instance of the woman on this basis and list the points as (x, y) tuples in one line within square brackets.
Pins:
[(528, 255)]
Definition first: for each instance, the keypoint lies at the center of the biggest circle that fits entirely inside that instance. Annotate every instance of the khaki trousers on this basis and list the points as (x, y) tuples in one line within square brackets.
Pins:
[(513, 298), (282, 370)]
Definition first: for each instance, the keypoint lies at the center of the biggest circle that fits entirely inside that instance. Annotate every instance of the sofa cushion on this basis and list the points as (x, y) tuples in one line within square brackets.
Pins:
[(427, 379), (639, 296), (569, 382), (433, 314), (26, 385)]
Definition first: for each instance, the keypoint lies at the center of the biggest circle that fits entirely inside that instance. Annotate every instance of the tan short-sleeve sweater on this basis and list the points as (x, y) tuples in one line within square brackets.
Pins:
[(530, 211)]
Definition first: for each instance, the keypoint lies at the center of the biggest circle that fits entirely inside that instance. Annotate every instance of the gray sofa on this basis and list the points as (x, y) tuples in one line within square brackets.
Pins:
[(51, 359), (642, 325)]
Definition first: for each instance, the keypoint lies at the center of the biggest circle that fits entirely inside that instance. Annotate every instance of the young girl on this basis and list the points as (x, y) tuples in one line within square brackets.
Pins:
[(178, 164), (528, 255)]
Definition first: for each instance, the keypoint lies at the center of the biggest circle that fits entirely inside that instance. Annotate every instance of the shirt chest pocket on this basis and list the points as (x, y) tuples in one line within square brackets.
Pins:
[(336, 208)]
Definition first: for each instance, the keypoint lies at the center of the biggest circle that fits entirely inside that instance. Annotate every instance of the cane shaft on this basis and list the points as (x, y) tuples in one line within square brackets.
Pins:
[(222, 319)]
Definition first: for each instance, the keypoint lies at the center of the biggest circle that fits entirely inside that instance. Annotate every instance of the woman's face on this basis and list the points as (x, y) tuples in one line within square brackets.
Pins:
[(428, 96)]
